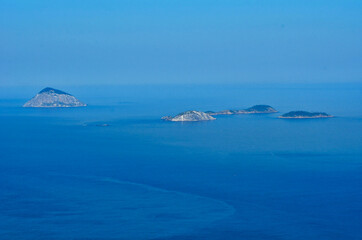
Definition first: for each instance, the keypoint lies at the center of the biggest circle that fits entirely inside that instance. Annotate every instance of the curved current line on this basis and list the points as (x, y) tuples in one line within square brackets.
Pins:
[(228, 207)]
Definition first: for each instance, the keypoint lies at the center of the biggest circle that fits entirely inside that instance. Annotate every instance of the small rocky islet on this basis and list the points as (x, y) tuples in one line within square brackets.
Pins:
[(305, 114), (252, 110), (53, 98), (189, 116)]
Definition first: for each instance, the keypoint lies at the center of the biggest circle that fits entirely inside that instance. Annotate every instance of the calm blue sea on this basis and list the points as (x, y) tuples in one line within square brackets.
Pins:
[(62, 176)]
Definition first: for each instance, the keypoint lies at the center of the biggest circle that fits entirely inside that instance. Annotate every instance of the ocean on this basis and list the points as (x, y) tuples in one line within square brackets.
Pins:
[(63, 175)]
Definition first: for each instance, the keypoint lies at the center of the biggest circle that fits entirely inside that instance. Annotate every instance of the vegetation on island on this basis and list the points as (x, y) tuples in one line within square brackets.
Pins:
[(261, 109), (253, 109), (305, 114)]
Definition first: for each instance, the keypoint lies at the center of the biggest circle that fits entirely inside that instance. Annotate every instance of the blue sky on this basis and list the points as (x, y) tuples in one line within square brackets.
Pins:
[(73, 42)]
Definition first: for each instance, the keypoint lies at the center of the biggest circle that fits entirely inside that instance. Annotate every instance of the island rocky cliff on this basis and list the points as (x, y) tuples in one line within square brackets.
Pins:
[(189, 116), (304, 114), (50, 97)]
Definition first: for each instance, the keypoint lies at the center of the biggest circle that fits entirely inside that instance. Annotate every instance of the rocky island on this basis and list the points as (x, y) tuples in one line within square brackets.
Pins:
[(304, 114), (251, 110), (260, 109), (50, 97), (189, 116)]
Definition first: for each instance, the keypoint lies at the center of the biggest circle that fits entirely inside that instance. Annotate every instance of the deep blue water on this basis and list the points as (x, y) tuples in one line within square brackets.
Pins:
[(238, 177)]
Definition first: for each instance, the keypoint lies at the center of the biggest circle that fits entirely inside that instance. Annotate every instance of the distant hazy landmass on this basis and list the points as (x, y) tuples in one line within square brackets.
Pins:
[(304, 114), (253, 109), (50, 97), (189, 116)]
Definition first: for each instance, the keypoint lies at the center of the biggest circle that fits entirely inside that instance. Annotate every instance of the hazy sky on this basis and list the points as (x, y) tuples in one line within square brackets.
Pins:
[(73, 42)]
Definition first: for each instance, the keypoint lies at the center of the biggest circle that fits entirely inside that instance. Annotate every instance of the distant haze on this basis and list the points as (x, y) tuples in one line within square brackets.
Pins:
[(73, 42)]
